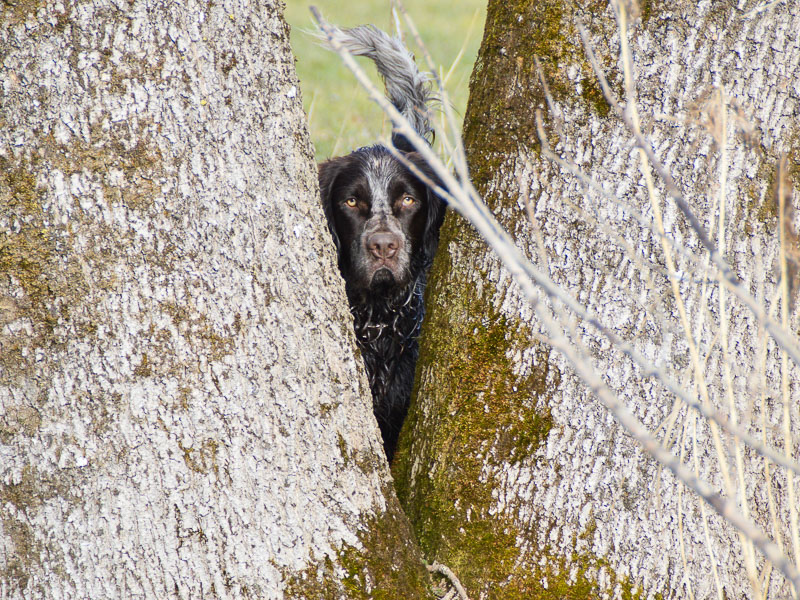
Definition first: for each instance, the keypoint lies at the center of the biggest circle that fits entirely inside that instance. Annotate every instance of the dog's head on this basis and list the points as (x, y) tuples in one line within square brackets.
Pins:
[(384, 219)]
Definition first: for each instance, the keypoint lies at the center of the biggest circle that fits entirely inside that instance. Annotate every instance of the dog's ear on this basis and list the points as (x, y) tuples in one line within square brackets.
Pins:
[(436, 205), (328, 173)]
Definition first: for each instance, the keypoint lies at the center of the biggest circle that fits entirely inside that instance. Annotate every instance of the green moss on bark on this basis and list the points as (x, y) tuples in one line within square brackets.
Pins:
[(35, 285), (481, 410), (27, 247), (18, 11), (505, 87), (479, 416), (26, 497), (387, 565)]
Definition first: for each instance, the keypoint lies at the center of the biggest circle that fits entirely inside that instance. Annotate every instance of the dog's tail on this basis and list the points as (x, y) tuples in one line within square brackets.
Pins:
[(407, 88)]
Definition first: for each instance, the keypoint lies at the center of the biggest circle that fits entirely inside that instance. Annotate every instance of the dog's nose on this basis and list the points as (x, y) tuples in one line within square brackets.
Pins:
[(383, 244)]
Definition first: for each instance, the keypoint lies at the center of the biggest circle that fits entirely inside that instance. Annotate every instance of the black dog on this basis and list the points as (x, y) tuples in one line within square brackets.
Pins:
[(385, 223)]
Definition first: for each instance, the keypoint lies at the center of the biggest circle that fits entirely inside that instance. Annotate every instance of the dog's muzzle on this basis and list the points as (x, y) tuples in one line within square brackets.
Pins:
[(384, 245), (384, 249)]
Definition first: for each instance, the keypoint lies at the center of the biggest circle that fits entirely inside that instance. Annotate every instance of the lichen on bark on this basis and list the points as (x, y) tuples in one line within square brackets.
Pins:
[(575, 515), (516, 35), (182, 412), (478, 414), (384, 565)]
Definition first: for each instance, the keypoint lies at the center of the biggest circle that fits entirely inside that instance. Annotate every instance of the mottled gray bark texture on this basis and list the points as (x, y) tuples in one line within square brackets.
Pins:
[(182, 414), (511, 472)]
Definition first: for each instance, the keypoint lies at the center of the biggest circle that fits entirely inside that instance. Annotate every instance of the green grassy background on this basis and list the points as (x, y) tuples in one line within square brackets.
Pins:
[(341, 117)]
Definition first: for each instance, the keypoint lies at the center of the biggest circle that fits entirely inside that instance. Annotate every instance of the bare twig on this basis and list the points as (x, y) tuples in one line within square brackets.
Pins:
[(457, 149), (463, 198), (647, 368), (778, 333), (444, 570)]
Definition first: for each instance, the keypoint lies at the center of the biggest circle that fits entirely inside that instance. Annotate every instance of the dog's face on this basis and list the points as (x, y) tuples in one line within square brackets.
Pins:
[(384, 219)]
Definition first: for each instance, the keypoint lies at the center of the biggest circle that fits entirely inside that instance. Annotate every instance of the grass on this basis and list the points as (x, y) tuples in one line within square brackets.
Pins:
[(340, 115)]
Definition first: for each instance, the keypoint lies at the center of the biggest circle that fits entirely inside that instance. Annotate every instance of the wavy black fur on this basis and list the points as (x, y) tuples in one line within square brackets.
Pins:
[(385, 224)]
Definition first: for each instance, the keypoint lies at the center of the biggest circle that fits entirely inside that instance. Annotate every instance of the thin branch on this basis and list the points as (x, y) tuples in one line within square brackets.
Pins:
[(462, 201), (780, 335), (783, 201), (466, 201), (457, 152), (444, 570), (648, 369)]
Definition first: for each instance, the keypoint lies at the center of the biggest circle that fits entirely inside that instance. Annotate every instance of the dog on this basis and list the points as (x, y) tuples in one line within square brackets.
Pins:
[(385, 223)]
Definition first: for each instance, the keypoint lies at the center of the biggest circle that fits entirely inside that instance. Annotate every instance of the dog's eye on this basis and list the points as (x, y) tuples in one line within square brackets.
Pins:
[(408, 200), (351, 202)]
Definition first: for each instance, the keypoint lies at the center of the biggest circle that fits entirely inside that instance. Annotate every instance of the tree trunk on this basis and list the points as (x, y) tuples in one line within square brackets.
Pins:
[(511, 471), (182, 413)]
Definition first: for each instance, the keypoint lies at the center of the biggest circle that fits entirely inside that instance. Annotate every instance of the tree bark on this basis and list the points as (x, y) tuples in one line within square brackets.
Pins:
[(511, 472), (182, 413)]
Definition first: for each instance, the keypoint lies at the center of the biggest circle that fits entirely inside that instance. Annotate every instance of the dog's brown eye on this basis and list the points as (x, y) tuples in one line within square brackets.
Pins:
[(351, 202), (408, 200)]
